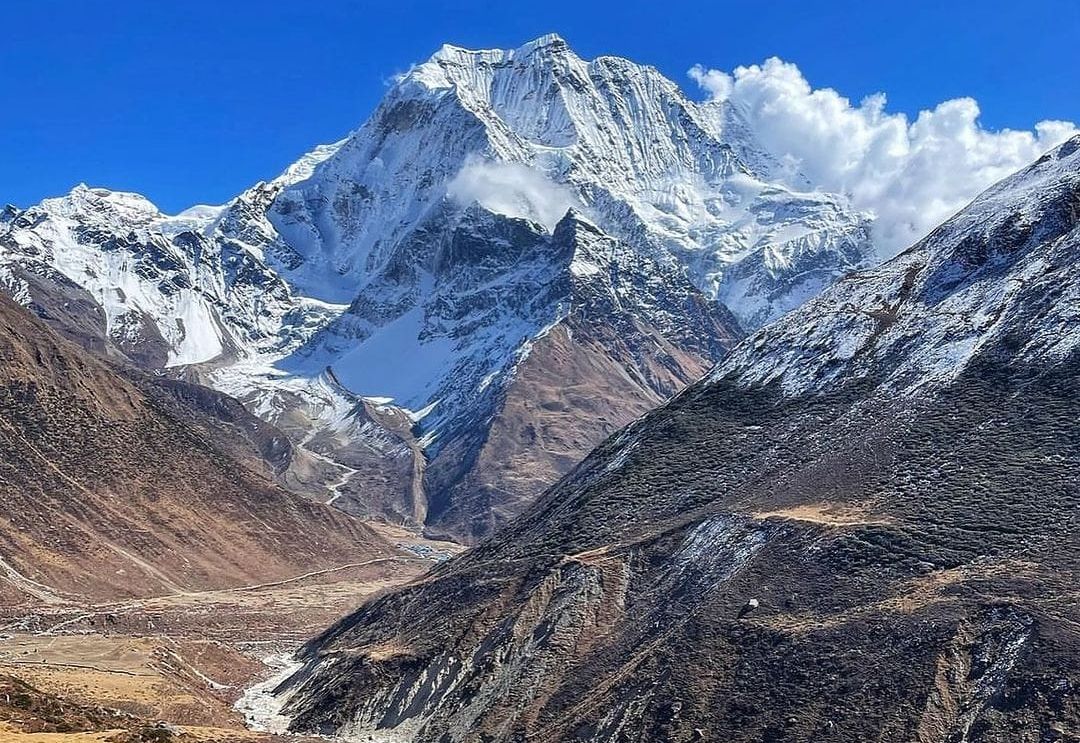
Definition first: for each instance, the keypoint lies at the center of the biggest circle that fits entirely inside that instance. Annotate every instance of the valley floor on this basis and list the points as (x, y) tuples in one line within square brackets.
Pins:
[(172, 667)]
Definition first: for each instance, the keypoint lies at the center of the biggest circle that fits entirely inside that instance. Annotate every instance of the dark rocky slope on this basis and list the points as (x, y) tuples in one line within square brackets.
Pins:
[(863, 526)]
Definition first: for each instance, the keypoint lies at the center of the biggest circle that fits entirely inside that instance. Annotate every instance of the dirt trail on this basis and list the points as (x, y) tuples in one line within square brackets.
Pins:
[(182, 655), (283, 581), (39, 591), (151, 570), (185, 656)]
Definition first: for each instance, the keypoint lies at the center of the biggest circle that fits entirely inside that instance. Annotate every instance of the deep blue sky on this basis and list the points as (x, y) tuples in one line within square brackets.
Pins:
[(191, 101)]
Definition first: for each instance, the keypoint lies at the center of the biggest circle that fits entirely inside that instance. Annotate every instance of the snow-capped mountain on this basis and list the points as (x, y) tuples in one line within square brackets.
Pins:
[(533, 131), (188, 287), (385, 298)]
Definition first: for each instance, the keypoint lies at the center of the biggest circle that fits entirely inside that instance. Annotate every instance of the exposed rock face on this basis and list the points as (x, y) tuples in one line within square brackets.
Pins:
[(116, 484), (410, 271), (629, 333), (890, 472)]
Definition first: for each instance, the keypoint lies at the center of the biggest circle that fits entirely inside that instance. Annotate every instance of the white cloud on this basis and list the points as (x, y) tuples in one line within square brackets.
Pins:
[(910, 174), (512, 189)]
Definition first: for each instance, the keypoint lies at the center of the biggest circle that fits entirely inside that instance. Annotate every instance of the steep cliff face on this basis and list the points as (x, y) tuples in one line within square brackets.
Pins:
[(861, 526), (378, 299)]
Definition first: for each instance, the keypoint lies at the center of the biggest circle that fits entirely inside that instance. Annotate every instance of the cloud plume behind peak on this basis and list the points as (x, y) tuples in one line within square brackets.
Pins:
[(910, 174)]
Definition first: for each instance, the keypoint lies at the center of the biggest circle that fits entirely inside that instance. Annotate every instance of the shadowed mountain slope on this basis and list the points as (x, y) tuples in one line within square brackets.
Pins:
[(861, 526)]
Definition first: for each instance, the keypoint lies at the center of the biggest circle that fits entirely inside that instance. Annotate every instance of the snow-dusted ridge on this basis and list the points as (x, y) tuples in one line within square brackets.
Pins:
[(1002, 271)]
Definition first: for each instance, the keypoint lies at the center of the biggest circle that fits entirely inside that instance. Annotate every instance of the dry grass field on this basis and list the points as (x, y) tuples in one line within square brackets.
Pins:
[(171, 667)]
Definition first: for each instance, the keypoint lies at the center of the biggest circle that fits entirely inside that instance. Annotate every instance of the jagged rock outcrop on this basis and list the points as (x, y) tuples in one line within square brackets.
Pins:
[(626, 334)]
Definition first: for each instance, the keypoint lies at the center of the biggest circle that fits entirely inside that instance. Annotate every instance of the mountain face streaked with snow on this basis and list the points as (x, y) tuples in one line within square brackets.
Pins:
[(533, 131), (388, 298)]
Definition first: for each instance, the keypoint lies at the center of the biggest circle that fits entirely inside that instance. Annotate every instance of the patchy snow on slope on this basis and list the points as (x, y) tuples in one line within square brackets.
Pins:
[(987, 275)]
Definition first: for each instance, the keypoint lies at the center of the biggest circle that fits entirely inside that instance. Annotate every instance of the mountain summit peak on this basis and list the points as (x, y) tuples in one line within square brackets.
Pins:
[(547, 46), (551, 41), (361, 254)]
